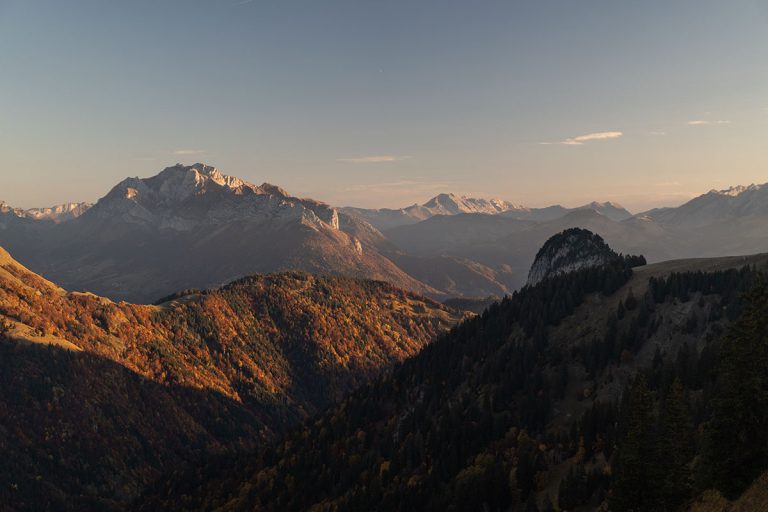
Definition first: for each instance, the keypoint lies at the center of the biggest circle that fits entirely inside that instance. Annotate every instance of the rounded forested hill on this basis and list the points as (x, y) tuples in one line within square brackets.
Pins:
[(99, 398), (571, 250)]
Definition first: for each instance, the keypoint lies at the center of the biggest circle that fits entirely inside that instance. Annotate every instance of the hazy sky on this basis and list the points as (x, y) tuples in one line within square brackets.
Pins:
[(385, 103)]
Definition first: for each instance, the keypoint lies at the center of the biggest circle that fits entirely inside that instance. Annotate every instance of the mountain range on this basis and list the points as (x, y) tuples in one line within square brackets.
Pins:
[(194, 226), (58, 213), (452, 204)]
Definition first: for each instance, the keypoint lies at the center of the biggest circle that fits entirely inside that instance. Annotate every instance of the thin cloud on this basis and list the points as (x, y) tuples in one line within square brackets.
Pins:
[(188, 152), (703, 122), (589, 137), (376, 159)]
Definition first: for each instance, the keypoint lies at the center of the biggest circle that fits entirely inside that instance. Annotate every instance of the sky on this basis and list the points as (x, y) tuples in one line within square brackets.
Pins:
[(387, 103)]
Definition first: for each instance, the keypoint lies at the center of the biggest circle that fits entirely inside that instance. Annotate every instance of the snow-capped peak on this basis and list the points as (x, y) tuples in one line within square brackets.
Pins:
[(181, 181), (184, 197), (452, 204), (736, 191), (58, 213)]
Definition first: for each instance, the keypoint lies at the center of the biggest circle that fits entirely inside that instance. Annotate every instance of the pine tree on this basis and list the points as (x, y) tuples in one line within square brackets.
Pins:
[(637, 483), (736, 449), (675, 448)]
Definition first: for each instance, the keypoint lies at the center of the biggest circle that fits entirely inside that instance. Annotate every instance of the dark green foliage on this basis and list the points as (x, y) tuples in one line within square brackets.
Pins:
[(635, 261), (674, 448), (652, 470), (638, 479), (737, 435), (729, 284)]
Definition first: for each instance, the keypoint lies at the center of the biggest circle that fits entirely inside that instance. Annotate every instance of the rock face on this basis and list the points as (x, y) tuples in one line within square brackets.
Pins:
[(182, 198), (573, 249)]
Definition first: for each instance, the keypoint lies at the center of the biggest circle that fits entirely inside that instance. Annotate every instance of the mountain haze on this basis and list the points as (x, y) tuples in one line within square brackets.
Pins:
[(452, 204), (193, 226)]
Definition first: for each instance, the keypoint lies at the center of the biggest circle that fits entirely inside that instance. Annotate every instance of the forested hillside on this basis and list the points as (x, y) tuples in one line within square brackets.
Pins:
[(98, 398), (596, 388)]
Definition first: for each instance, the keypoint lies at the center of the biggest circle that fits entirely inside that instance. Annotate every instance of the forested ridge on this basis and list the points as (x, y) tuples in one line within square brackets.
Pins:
[(516, 410), (98, 398)]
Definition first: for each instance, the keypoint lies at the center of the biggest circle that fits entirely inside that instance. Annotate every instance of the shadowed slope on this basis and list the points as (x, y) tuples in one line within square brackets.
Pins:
[(260, 354)]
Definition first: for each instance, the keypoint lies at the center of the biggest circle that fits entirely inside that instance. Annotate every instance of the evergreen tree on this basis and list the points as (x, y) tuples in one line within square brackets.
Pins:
[(736, 449), (637, 483), (674, 448)]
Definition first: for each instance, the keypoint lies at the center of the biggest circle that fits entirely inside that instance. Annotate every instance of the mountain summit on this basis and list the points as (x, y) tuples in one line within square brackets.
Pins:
[(573, 249), (441, 204), (452, 204), (182, 198)]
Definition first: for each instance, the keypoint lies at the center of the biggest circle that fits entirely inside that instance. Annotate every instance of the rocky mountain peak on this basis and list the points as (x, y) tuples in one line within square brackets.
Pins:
[(274, 190), (174, 186), (180, 181), (736, 191), (571, 250), (182, 198), (448, 201), (452, 204)]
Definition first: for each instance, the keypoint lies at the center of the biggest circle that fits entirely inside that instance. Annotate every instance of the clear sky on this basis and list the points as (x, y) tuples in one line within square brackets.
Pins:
[(386, 103)]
